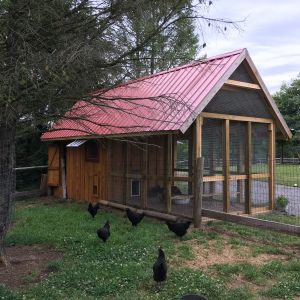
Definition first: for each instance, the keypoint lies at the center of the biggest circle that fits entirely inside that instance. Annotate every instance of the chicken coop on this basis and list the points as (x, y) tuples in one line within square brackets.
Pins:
[(141, 149)]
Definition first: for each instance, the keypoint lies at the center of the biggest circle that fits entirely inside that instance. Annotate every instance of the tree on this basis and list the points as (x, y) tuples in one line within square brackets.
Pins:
[(288, 101), (176, 45), (53, 53)]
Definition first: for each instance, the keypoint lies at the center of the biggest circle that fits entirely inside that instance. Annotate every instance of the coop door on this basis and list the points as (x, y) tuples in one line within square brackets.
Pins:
[(237, 136), (95, 187), (53, 165)]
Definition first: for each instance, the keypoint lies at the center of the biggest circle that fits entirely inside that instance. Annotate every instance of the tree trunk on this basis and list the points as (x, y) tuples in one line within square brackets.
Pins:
[(7, 181)]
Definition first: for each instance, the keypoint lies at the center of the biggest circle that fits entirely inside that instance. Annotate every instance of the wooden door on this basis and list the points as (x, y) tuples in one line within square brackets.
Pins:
[(53, 165)]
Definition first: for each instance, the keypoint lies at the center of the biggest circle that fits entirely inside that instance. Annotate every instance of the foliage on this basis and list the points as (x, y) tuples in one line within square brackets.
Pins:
[(288, 101), (282, 201), (176, 45)]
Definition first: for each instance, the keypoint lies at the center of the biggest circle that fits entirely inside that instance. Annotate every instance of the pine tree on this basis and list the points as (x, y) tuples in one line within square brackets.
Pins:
[(176, 45)]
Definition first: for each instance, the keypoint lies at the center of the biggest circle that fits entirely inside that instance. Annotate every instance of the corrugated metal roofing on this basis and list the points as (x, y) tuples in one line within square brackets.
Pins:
[(165, 101), (76, 143)]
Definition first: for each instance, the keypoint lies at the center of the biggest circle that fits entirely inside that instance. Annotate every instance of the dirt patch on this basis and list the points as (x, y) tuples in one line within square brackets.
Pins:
[(209, 254), (28, 264)]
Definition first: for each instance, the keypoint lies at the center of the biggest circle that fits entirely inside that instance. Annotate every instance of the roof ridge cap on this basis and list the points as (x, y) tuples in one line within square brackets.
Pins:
[(177, 68)]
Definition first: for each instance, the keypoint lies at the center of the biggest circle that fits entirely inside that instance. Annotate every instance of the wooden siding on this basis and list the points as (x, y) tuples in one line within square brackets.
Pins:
[(86, 180)]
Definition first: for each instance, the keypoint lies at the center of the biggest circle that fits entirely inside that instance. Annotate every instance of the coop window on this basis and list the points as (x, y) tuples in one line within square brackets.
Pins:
[(92, 151), (135, 188)]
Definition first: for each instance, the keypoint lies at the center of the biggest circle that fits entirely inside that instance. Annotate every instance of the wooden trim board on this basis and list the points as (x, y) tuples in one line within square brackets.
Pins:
[(235, 118), (242, 84)]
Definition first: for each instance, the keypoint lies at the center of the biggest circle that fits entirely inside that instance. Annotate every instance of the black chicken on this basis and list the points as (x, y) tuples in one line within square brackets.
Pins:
[(193, 297), (92, 209), (175, 190), (134, 217), (104, 232), (179, 228), (160, 267)]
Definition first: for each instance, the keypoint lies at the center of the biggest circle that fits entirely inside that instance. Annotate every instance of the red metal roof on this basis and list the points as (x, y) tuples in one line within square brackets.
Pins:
[(165, 101)]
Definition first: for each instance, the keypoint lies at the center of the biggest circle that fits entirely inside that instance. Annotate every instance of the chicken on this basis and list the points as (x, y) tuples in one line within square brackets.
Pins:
[(92, 209), (179, 228), (160, 267), (193, 297), (134, 217), (175, 190), (104, 232)]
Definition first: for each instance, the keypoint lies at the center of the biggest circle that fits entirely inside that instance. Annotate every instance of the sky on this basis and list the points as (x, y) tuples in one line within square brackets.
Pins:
[(270, 32)]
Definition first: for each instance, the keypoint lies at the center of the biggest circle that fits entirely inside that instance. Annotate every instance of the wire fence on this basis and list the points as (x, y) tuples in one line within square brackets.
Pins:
[(126, 184), (29, 178)]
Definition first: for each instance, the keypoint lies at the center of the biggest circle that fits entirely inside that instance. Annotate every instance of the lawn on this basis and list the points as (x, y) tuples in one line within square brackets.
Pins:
[(288, 174), (224, 261), (285, 174)]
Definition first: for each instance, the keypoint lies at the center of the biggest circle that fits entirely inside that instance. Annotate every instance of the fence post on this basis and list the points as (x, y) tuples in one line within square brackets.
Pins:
[(198, 192)]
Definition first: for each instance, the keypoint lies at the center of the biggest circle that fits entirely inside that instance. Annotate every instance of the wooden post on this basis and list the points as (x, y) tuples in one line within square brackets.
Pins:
[(240, 170), (197, 154), (198, 192), (63, 172), (248, 181), (271, 166), (125, 182), (190, 162), (168, 184), (226, 166), (108, 170), (212, 166), (145, 177)]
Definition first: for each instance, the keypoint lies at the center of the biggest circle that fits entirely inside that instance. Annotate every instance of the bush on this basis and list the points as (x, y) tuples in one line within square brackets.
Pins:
[(282, 201)]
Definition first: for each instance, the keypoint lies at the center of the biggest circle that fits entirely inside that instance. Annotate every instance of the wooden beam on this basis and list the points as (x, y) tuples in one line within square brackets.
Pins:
[(235, 118), (197, 154), (198, 192), (125, 175), (63, 172), (271, 166), (226, 165), (213, 178), (108, 168), (149, 213), (240, 162), (248, 164), (169, 168), (242, 85), (260, 175), (253, 222), (145, 175), (198, 136), (235, 177)]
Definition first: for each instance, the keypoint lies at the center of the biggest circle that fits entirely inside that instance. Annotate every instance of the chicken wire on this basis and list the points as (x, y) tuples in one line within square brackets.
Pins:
[(131, 165), (213, 153)]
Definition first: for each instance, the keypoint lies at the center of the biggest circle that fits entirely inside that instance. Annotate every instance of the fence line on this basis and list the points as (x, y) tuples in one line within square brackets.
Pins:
[(31, 168)]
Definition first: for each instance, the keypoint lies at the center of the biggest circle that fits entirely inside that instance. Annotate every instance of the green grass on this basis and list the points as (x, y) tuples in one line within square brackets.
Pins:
[(285, 174), (122, 268), (288, 174), (278, 217)]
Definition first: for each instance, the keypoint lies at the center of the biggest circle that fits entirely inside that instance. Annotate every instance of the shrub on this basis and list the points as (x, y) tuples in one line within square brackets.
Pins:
[(282, 201)]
